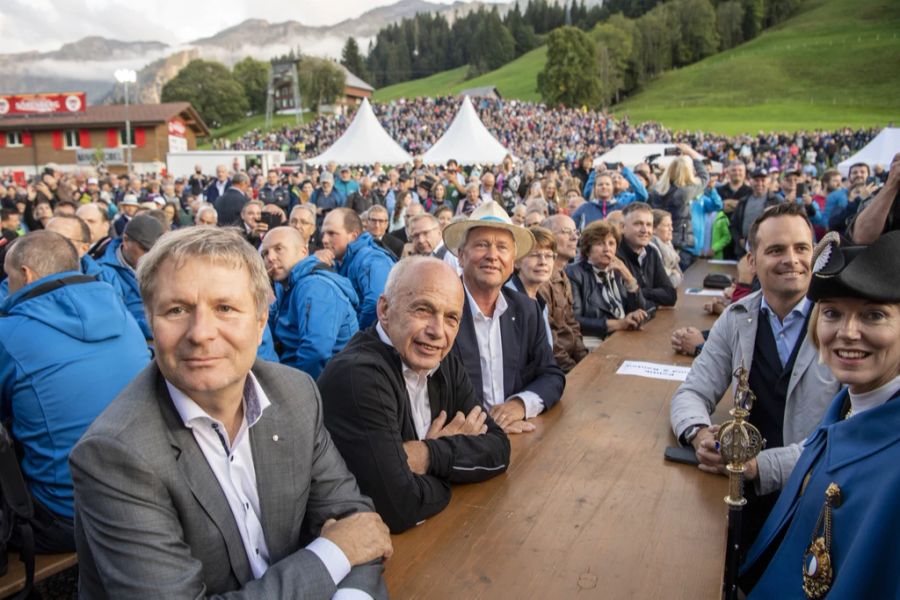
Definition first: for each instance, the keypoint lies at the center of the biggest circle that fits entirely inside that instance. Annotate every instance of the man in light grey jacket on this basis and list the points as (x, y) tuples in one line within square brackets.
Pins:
[(766, 333)]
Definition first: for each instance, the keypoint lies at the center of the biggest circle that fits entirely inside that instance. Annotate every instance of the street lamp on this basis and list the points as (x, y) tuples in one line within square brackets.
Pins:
[(126, 76)]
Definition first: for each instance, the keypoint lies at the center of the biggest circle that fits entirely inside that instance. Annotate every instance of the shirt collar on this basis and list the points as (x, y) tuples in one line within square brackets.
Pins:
[(255, 402), (499, 308), (407, 370), (801, 308)]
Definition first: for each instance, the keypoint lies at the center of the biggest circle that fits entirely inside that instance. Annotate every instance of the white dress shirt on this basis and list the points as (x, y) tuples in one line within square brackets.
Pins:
[(490, 351), (232, 464), (417, 388)]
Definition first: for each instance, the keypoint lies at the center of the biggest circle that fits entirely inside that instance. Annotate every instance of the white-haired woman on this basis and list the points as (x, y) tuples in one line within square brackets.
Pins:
[(683, 180), (834, 529)]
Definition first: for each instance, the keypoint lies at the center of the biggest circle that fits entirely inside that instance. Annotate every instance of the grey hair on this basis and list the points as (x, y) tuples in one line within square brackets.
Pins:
[(538, 205), (423, 217), (239, 179), (223, 246), (377, 208), (400, 269), (310, 211), (44, 252), (205, 209)]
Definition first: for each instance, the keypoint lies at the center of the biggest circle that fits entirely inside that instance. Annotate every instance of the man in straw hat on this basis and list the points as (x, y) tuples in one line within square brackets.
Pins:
[(502, 340)]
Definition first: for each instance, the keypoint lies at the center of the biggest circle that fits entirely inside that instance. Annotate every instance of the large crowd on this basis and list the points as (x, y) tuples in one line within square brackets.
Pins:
[(550, 137), (276, 369)]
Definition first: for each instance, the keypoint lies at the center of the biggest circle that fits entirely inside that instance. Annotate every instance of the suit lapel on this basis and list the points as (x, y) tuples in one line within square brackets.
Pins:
[(204, 485), (510, 323), (467, 348)]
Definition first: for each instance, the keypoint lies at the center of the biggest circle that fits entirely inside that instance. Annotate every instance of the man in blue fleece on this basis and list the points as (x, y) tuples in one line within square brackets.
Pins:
[(314, 313), (68, 346)]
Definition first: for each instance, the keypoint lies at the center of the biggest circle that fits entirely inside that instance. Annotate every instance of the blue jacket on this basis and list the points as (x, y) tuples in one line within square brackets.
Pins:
[(64, 355), (366, 265), (313, 316), (266, 350), (635, 192), (346, 187), (124, 281), (835, 203), (860, 455), (708, 202), (88, 266)]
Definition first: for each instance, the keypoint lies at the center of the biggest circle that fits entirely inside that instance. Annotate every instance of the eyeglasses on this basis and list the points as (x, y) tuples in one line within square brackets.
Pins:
[(371, 220), (569, 231), (547, 256)]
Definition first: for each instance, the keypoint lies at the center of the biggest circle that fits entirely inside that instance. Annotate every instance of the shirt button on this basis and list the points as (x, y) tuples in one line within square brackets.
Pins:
[(231, 458), (246, 505), (257, 551)]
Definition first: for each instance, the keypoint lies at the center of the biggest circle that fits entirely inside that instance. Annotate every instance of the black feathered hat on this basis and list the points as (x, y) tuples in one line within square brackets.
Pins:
[(870, 272)]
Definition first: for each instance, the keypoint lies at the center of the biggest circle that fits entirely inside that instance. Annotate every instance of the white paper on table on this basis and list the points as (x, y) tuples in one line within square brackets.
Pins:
[(704, 292), (653, 370), (722, 261)]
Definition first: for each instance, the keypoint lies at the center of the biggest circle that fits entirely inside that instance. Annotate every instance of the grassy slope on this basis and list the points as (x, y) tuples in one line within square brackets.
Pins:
[(836, 63), (239, 128), (516, 79)]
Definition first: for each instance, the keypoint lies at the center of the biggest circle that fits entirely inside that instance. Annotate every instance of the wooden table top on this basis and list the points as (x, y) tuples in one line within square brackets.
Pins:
[(588, 507)]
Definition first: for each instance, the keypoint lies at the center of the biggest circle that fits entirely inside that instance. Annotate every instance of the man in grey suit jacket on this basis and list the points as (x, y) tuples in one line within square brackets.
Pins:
[(212, 474), (764, 332)]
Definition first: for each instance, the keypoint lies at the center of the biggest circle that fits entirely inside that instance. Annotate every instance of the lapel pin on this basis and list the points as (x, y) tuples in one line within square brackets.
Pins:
[(275, 438)]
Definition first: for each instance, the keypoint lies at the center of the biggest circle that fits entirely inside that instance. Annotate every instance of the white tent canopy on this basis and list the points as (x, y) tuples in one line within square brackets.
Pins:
[(365, 142), (634, 154), (880, 151), (467, 141)]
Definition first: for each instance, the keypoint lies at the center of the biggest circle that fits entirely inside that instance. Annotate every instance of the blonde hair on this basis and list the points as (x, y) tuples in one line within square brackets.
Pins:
[(219, 245), (679, 173)]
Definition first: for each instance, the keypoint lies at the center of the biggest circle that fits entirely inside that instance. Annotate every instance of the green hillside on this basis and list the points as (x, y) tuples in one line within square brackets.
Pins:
[(239, 128), (835, 63), (516, 79)]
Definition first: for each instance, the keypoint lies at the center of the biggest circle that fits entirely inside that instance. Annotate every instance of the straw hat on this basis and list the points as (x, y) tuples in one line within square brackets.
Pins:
[(489, 214)]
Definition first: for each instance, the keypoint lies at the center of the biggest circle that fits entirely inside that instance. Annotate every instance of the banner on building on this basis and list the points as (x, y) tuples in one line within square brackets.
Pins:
[(109, 156), (41, 104)]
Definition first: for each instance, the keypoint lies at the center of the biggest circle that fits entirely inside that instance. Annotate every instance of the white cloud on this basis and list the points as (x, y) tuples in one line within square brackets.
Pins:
[(47, 24)]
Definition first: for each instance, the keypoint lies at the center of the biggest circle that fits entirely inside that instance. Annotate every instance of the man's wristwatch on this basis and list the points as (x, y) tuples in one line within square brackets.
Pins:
[(690, 433)]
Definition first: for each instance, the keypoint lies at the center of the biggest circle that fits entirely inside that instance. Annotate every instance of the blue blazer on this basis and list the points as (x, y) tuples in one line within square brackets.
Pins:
[(528, 362), (860, 455)]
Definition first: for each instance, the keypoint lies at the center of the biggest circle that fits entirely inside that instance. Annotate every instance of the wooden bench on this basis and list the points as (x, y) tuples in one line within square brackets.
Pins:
[(589, 507), (45, 565)]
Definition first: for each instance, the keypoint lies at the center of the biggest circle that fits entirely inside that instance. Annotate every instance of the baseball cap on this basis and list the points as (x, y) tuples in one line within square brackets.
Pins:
[(326, 176), (759, 172), (144, 229), (129, 200)]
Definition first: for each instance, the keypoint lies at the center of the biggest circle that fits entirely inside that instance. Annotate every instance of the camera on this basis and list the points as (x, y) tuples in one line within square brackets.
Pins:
[(671, 152)]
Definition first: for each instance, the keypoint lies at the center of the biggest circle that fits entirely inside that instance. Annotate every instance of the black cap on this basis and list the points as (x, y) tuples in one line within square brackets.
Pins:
[(144, 230), (869, 272), (759, 172), (383, 178)]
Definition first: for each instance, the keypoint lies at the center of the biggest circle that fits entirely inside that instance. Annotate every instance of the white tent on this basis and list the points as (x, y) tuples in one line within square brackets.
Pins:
[(880, 151), (365, 142), (634, 154), (467, 141)]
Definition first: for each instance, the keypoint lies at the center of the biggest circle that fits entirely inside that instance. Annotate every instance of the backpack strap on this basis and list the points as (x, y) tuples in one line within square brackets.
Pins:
[(55, 284)]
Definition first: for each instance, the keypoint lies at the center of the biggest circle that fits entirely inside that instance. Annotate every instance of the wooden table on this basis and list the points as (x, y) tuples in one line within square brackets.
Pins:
[(45, 565), (588, 508)]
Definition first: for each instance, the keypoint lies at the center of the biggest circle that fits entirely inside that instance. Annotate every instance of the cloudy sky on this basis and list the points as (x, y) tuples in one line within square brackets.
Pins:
[(47, 24)]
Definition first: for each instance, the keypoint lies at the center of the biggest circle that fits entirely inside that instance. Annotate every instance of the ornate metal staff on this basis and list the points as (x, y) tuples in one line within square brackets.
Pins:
[(739, 442)]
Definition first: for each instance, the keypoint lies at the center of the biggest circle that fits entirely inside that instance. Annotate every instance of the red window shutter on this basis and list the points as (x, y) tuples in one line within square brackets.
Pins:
[(26, 139), (112, 138), (85, 138), (140, 137), (2, 139), (57, 140)]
